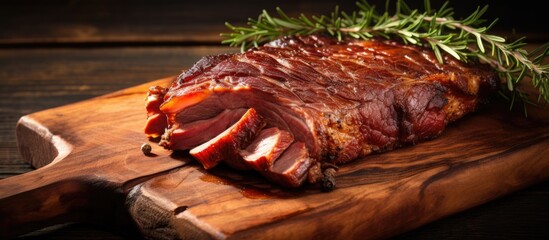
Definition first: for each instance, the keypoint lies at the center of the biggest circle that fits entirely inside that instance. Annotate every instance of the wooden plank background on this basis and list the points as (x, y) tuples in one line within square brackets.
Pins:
[(103, 22), (57, 52)]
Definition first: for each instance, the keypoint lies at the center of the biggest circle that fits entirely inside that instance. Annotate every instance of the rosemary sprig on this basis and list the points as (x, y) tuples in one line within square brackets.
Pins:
[(465, 39)]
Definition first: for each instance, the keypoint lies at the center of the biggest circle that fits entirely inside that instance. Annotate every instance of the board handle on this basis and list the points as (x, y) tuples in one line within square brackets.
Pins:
[(57, 192), (36, 199)]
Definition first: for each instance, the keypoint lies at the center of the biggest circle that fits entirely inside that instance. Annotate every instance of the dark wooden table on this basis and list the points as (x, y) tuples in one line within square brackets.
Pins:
[(58, 52)]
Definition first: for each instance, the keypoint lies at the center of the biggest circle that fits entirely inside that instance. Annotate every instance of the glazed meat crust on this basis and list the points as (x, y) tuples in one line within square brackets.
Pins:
[(341, 100)]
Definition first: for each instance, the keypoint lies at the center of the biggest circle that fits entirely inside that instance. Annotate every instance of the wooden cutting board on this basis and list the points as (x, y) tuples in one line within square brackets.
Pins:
[(91, 169)]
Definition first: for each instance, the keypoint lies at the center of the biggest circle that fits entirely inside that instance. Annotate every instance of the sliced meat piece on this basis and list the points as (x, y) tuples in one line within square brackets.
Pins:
[(193, 134), (291, 168), (267, 147), (228, 144), (157, 121)]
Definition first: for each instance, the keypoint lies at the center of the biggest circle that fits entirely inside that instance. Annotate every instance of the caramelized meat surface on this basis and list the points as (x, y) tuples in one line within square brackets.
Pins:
[(324, 101)]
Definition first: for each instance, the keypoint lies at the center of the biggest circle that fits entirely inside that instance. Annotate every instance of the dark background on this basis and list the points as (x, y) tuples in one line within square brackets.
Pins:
[(56, 52), (36, 23)]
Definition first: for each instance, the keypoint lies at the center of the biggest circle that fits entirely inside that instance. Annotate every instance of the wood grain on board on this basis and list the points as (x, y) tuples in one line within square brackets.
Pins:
[(59, 52), (93, 147), (86, 163)]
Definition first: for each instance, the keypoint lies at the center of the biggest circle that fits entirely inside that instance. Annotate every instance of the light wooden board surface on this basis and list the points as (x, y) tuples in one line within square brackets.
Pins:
[(94, 147)]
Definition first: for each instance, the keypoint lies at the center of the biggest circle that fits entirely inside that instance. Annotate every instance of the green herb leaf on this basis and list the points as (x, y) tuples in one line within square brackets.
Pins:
[(464, 39)]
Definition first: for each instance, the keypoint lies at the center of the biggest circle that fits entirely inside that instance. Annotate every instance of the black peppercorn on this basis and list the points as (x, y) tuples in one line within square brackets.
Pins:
[(327, 182), (146, 148)]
